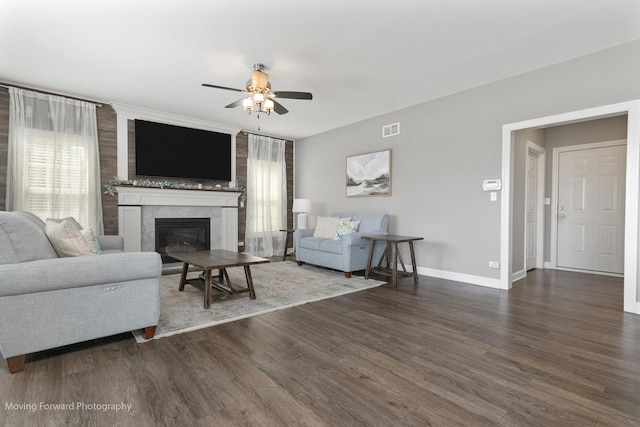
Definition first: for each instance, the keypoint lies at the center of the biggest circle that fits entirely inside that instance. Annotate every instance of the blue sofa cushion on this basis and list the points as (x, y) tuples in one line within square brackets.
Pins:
[(331, 246), (23, 238), (312, 243), (370, 222)]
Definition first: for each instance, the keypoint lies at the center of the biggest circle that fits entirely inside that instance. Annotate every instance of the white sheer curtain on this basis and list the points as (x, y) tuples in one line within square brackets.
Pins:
[(53, 160), (266, 196)]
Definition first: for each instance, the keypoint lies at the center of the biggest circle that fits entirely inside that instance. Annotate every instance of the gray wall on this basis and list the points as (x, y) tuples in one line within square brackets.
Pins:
[(448, 146)]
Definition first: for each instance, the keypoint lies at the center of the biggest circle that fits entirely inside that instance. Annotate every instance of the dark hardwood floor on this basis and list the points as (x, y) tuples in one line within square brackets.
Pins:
[(556, 350)]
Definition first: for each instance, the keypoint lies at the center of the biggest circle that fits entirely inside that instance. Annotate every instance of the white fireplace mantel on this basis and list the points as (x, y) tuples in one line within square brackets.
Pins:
[(131, 199)]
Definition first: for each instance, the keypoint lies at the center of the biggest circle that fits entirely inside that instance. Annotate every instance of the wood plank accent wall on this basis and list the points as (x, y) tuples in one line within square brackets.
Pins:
[(108, 145), (242, 152), (106, 120)]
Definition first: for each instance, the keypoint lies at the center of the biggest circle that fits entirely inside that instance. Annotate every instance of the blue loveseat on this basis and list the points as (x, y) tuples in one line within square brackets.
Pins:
[(347, 254)]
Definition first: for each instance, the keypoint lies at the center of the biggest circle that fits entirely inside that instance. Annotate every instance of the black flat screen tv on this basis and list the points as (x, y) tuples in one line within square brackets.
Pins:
[(170, 151)]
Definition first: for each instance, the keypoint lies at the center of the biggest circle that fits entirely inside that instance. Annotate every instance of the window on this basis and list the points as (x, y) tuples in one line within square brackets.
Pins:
[(49, 165)]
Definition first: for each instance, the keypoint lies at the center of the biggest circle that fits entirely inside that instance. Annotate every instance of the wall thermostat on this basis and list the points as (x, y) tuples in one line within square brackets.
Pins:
[(492, 184)]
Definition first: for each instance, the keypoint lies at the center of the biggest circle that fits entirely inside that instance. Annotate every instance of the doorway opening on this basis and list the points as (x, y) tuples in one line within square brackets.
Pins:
[(509, 223)]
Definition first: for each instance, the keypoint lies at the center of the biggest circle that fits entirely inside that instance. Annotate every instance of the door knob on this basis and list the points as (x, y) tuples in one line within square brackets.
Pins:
[(562, 216)]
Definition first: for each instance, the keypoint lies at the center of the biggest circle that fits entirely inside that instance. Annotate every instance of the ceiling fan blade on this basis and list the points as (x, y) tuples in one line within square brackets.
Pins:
[(279, 108), (293, 95), (221, 87), (235, 104)]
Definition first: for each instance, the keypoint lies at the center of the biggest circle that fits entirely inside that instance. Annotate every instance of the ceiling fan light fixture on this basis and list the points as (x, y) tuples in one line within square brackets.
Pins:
[(247, 104), (269, 105), (258, 94), (260, 80)]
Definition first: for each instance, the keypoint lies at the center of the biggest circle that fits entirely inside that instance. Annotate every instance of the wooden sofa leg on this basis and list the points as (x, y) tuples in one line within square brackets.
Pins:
[(347, 274), (16, 363), (149, 332)]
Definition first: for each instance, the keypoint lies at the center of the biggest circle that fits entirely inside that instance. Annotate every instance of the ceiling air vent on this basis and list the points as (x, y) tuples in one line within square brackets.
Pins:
[(391, 130)]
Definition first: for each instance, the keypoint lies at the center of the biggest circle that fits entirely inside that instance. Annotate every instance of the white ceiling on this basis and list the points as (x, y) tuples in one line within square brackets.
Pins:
[(360, 59)]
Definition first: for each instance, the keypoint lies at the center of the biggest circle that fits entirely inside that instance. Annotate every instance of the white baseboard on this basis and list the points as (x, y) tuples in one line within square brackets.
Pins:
[(547, 264), (460, 277), (517, 275)]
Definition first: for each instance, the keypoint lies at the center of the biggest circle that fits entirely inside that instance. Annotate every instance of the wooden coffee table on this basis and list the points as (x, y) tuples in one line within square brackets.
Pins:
[(219, 259)]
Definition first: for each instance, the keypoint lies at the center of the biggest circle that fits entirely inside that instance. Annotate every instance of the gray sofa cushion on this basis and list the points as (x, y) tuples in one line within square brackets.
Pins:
[(311, 242), (332, 246), (23, 240)]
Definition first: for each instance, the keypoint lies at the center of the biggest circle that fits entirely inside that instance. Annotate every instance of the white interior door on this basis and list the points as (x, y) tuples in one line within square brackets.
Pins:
[(531, 212), (591, 196)]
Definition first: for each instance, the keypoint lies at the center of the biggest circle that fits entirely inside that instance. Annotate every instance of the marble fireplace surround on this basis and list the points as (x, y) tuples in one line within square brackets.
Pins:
[(138, 207)]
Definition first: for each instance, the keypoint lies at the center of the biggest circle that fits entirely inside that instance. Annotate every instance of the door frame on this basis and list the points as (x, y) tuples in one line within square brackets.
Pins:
[(542, 168), (632, 208), (555, 170)]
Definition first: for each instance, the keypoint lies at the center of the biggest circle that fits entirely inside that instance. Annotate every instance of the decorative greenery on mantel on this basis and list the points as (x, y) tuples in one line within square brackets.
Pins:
[(111, 189)]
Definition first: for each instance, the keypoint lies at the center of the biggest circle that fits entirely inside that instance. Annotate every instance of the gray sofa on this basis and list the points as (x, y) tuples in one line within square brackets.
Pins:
[(348, 254), (48, 302)]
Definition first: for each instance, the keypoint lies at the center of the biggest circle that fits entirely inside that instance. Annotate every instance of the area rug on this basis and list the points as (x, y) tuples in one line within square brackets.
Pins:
[(278, 285)]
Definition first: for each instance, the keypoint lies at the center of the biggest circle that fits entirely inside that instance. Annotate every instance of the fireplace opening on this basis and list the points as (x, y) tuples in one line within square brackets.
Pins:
[(182, 235)]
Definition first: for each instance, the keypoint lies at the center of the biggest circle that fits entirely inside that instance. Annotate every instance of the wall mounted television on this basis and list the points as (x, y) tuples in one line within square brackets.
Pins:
[(170, 151)]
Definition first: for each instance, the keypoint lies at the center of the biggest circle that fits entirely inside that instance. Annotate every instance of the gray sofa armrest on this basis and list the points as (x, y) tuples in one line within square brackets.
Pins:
[(355, 239), (304, 232), (299, 234), (74, 272), (108, 243)]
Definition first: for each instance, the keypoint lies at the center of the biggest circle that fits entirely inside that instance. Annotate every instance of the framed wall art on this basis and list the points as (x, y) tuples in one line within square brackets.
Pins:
[(369, 174)]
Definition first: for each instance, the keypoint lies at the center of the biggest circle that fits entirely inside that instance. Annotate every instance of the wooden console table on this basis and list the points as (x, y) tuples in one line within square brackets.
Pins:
[(390, 257)]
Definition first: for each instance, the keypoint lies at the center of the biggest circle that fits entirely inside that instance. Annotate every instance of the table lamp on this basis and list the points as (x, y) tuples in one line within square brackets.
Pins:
[(301, 207)]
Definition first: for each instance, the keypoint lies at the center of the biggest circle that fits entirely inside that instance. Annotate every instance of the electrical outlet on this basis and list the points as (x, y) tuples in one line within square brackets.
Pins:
[(494, 264)]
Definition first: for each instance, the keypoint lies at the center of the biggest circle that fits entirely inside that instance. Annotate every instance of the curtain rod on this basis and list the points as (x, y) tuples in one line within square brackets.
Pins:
[(268, 136), (96, 103)]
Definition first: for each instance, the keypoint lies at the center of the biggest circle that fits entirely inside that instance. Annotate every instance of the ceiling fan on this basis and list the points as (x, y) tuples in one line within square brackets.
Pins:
[(261, 97)]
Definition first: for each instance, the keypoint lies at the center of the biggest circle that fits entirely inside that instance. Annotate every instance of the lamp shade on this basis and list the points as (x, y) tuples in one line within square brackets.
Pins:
[(301, 205)]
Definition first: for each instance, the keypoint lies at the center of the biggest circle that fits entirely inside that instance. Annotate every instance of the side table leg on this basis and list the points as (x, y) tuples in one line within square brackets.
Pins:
[(413, 263), (286, 244), (394, 264), (368, 271), (207, 289), (183, 277)]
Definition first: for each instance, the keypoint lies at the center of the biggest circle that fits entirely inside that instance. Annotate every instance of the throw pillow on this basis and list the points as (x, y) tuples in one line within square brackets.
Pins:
[(91, 237), (326, 227), (68, 238), (86, 232), (346, 227)]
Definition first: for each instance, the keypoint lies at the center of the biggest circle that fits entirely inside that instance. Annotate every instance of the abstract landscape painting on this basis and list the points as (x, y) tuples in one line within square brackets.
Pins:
[(369, 174)]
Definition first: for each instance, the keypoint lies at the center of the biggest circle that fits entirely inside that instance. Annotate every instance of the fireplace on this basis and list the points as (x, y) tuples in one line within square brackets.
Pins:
[(181, 235)]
